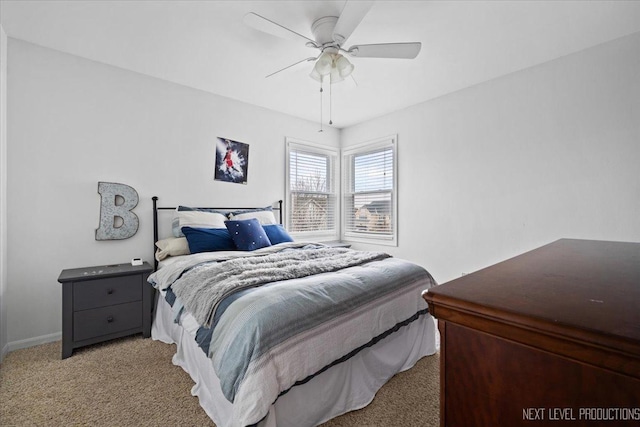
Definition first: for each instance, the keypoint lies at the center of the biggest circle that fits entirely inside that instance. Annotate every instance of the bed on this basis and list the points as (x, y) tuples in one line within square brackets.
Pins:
[(286, 333)]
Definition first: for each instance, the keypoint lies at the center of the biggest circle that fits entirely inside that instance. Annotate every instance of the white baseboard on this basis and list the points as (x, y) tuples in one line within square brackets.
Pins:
[(30, 342)]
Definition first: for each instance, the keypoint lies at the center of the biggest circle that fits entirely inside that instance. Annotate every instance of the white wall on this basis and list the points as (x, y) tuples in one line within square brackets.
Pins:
[(495, 170), (3, 193), (485, 173), (74, 122)]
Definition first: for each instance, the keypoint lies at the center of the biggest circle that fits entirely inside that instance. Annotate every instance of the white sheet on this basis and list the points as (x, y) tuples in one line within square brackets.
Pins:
[(342, 388)]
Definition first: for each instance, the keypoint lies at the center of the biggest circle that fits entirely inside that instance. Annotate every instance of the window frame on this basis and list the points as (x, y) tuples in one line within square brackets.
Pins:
[(333, 174), (378, 144)]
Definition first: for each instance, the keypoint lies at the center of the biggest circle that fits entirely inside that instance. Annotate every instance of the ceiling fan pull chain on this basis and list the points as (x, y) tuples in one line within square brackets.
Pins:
[(320, 106), (330, 105)]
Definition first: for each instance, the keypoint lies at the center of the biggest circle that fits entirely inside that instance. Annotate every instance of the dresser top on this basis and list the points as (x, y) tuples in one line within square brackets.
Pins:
[(102, 271), (583, 284)]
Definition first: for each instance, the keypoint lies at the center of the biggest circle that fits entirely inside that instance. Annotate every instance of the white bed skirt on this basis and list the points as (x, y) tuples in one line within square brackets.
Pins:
[(344, 387)]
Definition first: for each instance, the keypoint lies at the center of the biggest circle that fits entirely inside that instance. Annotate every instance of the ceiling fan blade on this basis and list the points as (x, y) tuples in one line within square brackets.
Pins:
[(265, 25), (386, 50), (351, 15), (292, 65)]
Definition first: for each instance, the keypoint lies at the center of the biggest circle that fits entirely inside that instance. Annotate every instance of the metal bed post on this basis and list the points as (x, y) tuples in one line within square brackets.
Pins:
[(155, 231)]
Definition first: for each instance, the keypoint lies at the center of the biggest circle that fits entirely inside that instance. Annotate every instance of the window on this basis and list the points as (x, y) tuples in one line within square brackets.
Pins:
[(370, 200), (312, 201)]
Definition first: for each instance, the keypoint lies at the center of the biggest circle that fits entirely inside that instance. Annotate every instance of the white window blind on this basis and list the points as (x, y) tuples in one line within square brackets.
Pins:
[(311, 183), (370, 207)]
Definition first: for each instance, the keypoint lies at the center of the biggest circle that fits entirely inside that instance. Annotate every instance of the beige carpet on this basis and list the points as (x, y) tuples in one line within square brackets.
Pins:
[(131, 382)]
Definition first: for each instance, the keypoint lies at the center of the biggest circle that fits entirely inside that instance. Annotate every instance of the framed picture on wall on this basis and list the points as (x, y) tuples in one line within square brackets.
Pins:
[(232, 161)]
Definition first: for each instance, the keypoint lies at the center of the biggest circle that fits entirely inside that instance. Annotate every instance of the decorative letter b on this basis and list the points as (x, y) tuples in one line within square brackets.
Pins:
[(112, 212)]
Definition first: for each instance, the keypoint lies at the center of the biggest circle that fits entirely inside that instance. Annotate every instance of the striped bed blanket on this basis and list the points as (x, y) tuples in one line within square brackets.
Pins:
[(265, 336)]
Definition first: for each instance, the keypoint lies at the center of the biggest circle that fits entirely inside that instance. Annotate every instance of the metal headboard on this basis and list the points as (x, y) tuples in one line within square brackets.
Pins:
[(157, 208)]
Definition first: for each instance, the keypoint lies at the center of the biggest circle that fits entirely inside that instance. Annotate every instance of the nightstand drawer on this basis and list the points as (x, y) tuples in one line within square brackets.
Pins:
[(106, 320), (108, 291)]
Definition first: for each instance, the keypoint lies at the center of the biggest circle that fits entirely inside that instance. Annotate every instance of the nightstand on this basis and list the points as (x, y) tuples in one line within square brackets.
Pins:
[(104, 302)]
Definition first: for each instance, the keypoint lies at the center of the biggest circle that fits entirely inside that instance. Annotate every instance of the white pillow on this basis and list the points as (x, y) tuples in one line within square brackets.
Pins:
[(197, 219), (172, 246), (264, 217)]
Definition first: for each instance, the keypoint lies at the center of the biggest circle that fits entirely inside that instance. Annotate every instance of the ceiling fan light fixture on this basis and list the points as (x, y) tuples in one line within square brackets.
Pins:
[(345, 68), (332, 65), (335, 76), (324, 64), (315, 75)]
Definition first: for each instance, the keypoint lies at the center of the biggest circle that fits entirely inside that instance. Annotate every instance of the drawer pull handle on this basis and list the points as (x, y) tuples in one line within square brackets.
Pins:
[(109, 291), (110, 319)]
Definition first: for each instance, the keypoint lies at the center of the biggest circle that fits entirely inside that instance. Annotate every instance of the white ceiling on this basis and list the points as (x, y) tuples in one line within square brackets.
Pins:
[(205, 45)]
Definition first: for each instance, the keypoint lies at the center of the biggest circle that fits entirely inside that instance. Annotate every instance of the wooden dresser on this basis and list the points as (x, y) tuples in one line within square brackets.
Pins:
[(550, 337)]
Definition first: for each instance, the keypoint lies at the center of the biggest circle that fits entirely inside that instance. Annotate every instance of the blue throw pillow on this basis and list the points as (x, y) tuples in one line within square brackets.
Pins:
[(277, 234), (248, 234), (208, 239)]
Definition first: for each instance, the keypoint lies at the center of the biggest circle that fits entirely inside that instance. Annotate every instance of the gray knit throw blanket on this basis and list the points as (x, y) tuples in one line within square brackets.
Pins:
[(202, 288)]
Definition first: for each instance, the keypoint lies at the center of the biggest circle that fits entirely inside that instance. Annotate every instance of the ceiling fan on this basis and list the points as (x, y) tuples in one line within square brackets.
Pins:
[(330, 33)]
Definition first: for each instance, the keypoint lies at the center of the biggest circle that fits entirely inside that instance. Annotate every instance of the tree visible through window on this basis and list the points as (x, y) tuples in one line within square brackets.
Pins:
[(370, 191), (311, 187)]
